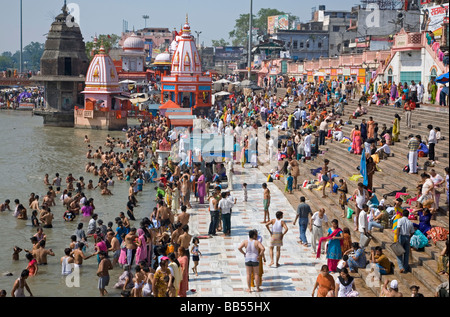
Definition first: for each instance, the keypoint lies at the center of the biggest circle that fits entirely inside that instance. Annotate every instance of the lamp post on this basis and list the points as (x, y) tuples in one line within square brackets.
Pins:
[(198, 38), (145, 17), (21, 40), (249, 63)]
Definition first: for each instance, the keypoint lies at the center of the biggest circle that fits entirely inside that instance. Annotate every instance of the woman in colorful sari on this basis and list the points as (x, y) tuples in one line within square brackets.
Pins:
[(325, 283), (396, 129), (184, 265), (433, 91), (163, 279), (153, 174), (356, 140), (334, 246), (370, 128), (201, 188), (141, 251)]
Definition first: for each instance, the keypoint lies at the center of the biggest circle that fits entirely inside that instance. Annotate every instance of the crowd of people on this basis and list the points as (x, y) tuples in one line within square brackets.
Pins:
[(155, 251)]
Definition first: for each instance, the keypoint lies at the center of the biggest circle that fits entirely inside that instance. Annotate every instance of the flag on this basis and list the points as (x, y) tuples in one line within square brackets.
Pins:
[(363, 168)]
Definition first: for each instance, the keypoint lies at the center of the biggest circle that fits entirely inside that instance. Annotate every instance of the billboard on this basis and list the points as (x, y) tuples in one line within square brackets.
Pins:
[(277, 22), (433, 17)]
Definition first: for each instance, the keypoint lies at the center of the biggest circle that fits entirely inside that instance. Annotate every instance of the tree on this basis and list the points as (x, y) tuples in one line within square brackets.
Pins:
[(109, 42), (31, 58), (239, 34), (32, 54), (219, 43)]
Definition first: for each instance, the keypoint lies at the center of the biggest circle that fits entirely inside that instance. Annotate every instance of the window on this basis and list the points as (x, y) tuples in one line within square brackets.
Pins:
[(67, 66), (295, 45), (410, 76), (302, 44), (336, 28), (319, 44)]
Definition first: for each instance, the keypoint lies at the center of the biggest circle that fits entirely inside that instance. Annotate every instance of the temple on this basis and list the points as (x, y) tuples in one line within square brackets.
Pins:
[(186, 87), (63, 68), (104, 106)]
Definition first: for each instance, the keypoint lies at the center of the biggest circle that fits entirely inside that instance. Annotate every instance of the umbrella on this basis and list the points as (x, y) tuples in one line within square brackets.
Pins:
[(222, 81), (443, 79), (320, 74), (246, 83), (222, 93), (127, 81)]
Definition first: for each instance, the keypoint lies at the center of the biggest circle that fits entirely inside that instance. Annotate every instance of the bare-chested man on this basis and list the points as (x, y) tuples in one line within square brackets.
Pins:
[(184, 240), (266, 202), (41, 253), (46, 218), (79, 256), (115, 246), (184, 216), (165, 215), (103, 272), (130, 244)]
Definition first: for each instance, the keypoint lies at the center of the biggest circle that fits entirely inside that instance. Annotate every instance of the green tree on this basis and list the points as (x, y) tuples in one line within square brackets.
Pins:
[(32, 54), (219, 43), (31, 58), (109, 41), (239, 35)]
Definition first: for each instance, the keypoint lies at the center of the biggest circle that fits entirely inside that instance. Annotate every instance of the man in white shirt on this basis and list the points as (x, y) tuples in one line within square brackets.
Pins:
[(438, 181), (225, 205), (323, 129), (363, 221), (384, 150), (318, 219), (406, 231), (432, 140), (308, 145), (420, 91)]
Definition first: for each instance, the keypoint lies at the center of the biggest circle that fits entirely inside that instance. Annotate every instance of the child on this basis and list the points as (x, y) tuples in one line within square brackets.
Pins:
[(342, 263), (90, 184), (244, 187), (289, 182), (195, 254)]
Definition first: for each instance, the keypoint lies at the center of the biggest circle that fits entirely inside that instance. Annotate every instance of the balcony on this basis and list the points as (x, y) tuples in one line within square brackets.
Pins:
[(404, 41)]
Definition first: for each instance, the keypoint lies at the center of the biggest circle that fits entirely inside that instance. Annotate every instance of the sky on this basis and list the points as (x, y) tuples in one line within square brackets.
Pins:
[(214, 18)]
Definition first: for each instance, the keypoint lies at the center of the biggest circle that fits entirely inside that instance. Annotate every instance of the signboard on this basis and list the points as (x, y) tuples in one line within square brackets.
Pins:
[(277, 22), (88, 114), (148, 58), (433, 18), (187, 88)]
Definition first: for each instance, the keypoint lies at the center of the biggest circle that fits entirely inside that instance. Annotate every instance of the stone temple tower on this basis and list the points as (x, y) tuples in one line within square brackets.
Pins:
[(64, 64)]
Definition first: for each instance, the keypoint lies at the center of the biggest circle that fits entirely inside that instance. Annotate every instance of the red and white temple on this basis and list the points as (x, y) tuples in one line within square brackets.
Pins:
[(104, 107), (186, 86)]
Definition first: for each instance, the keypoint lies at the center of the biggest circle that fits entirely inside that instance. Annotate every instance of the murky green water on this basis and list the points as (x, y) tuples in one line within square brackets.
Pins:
[(28, 151)]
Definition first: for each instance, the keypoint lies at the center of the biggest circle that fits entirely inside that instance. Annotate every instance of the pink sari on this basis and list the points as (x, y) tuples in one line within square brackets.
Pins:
[(141, 251), (184, 285)]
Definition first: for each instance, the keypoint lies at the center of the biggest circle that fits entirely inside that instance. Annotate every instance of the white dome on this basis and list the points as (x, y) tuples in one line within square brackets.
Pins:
[(134, 42), (163, 58)]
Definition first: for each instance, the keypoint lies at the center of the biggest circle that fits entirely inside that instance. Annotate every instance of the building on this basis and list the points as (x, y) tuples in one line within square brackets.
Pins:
[(186, 86), (156, 40), (63, 68), (227, 58), (337, 24), (104, 106), (304, 44), (377, 21), (412, 59)]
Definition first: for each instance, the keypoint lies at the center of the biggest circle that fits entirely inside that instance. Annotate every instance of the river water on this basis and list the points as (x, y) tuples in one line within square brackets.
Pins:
[(28, 151)]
